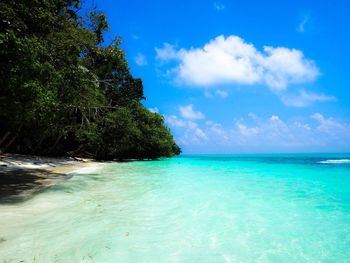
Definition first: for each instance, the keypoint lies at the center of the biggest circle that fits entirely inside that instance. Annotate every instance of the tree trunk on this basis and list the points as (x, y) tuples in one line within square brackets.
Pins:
[(39, 143), (4, 137), (10, 142), (55, 144)]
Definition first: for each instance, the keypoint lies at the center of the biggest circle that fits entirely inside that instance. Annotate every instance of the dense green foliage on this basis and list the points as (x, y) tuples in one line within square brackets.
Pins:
[(64, 91)]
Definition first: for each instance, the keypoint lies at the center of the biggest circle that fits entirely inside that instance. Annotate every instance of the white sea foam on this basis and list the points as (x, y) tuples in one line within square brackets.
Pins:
[(338, 161)]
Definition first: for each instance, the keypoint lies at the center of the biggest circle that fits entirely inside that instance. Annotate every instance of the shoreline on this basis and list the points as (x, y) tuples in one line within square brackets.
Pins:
[(22, 176)]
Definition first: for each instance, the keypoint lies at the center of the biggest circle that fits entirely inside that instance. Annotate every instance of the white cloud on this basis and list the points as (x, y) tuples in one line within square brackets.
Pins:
[(283, 66), (135, 37), (174, 121), (141, 60), (221, 93), (246, 131), (264, 134), (302, 24), (200, 134), (275, 118), (218, 6), (253, 116), (231, 60), (154, 110), (303, 126), (188, 112), (274, 132), (191, 134), (305, 98), (330, 125), (217, 93), (166, 53)]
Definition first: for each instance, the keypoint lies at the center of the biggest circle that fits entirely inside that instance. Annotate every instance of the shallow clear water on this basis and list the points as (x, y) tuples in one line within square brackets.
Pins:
[(199, 208)]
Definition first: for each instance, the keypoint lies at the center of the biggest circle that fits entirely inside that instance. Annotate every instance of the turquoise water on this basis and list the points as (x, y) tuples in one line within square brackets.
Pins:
[(199, 208)]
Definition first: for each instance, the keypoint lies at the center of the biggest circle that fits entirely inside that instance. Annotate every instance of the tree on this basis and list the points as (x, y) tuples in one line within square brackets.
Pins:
[(65, 91)]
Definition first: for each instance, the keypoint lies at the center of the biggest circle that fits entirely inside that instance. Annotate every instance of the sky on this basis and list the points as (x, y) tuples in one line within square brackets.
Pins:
[(235, 76)]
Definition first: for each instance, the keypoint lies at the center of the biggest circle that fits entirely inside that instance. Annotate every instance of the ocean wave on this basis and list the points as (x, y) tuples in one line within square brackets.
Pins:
[(338, 161)]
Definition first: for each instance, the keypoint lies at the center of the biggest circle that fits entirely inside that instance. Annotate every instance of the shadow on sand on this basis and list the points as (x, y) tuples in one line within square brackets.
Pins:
[(20, 185)]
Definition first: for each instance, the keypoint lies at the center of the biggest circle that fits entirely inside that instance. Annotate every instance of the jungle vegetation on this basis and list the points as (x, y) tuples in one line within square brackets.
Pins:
[(65, 91)]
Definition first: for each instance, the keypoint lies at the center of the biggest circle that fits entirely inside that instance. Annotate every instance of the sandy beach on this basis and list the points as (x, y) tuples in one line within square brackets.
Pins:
[(21, 176)]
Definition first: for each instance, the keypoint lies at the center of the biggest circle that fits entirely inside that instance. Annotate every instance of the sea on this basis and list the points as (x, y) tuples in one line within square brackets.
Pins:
[(192, 208)]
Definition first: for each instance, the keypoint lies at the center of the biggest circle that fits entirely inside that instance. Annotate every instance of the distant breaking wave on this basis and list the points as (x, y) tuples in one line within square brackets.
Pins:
[(336, 161)]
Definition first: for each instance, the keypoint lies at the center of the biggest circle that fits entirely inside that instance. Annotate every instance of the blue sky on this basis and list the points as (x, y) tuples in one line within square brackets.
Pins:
[(242, 76)]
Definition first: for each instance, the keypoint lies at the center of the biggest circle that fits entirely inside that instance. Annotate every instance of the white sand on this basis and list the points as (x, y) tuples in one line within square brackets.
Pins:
[(12, 162), (23, 175)]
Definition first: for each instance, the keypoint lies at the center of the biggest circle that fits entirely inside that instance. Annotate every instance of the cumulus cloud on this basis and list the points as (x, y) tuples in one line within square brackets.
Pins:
[(264, 134), (191, 134), (305, 98), (166, 53), (331, 126), (174, 121), (232, 60), (188, 112), (246, 131), (141, 60)]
